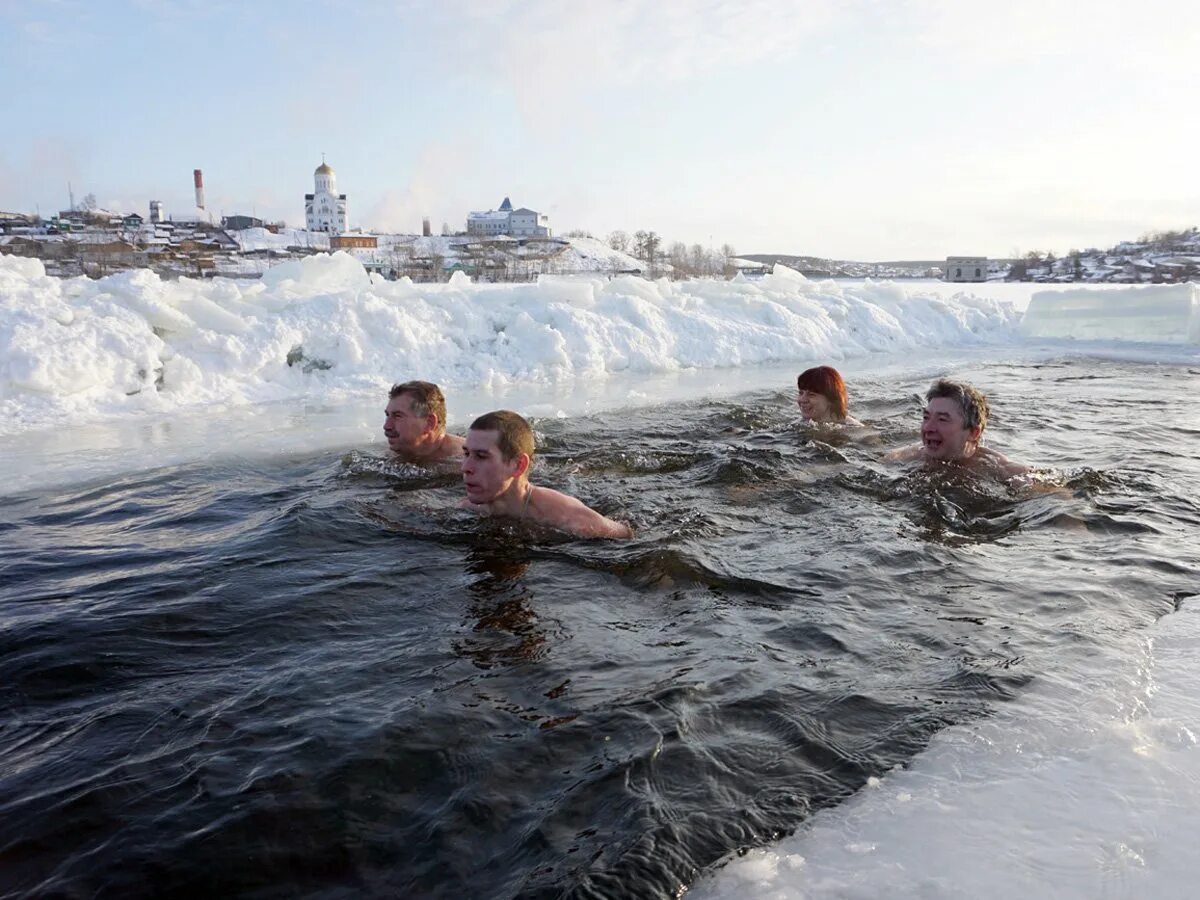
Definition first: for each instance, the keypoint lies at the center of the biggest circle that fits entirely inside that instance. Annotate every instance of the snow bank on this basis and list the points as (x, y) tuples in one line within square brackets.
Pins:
[(249, 239), (132, 342), (592, 254), (1166, 313), (1082, 790)]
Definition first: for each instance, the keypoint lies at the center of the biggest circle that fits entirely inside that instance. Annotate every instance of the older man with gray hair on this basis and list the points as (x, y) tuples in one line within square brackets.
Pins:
[(415, 424), (955, 417)]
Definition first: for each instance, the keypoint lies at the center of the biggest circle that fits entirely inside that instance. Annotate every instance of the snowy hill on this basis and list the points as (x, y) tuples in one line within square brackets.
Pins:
[(252, 239), (499, 258)]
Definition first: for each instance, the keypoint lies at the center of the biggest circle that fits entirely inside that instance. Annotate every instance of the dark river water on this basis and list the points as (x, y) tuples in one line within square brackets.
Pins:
[(312, 676)]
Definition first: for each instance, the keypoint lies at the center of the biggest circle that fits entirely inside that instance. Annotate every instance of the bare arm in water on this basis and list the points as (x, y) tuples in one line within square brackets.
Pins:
[(903, 454)]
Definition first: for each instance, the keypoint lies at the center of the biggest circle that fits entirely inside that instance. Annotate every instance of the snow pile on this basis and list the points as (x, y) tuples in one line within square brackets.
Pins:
[(1081, 791), (251, 239), (313, 274), (318, 326), (592, 254), (1167, 313), (564, 255)]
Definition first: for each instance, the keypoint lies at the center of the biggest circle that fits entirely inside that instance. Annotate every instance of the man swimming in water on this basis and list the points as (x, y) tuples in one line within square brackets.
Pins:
[(955, 416), (495, 468), (415, 424)]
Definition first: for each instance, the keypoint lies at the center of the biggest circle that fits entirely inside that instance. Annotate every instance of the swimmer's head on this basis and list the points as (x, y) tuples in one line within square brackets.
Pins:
[(514, 436), (498, 451), (425, 398), (955, 416), (971, 402), (822, 394), (415, 413)]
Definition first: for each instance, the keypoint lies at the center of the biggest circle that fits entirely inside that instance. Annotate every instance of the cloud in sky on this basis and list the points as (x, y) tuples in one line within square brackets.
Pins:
[(548, 52), (1139, 39), (869, 128)]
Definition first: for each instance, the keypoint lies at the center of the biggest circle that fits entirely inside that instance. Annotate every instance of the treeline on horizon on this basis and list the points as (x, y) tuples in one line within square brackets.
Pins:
[(1151, 241)]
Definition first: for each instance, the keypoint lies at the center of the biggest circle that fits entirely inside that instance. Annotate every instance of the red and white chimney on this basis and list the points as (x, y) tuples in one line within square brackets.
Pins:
[(198, 178)]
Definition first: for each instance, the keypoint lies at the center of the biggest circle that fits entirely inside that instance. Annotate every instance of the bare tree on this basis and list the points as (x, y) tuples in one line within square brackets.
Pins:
[(1076, 264), (727, 255), (646, 246), (619, 240), (639, 244), (678, 256)]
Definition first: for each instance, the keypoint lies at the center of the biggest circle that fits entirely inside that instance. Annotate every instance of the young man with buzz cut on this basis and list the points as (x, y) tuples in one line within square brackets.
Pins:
[(415, 424), (952, 429), (495, 468)]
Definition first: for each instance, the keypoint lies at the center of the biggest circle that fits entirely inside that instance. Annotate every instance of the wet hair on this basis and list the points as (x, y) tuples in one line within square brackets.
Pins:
[(424, 397), (826, 381), (972, 402), (515, 435)]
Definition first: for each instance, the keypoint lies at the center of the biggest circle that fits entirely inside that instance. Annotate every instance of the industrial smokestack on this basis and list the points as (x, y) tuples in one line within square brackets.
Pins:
[(426, 231), (198, 178)]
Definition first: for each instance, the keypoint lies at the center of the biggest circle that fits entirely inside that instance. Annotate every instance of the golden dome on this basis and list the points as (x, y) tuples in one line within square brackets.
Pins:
[(323, 169)]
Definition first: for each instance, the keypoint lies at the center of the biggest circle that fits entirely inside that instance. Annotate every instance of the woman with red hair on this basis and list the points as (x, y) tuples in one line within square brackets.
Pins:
[(822, 398)]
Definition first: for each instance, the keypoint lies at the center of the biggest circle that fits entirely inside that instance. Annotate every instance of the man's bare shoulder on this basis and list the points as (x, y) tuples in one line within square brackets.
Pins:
[(999, 463), (571, 514), (452, 447)]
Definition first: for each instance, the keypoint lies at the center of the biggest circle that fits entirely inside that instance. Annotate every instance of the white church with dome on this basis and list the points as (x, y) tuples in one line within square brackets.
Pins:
[(325, 208)]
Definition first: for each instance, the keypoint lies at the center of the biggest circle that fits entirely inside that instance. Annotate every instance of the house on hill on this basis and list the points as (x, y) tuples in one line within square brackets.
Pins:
[(240, 223), (523, 222), (966, 268), (353, 241), (14, 223)]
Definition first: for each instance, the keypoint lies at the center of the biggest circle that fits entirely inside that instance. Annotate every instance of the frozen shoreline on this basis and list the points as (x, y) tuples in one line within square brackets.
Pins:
[(100, 377), (321, 329), (1081, 789)]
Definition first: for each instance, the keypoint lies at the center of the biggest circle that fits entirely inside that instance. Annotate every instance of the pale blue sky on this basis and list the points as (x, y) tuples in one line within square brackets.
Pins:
[(859, 129)]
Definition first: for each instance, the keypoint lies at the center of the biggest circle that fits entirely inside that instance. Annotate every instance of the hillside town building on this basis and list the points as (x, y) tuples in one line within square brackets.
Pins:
[(519, 223), (239, 223), (966, 268), (353, 242), (325, 208)]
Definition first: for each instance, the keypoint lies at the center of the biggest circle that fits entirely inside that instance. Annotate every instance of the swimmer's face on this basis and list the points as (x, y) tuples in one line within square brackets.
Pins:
[(486, 473), (944, 436), (814, 407), (401, 426)]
